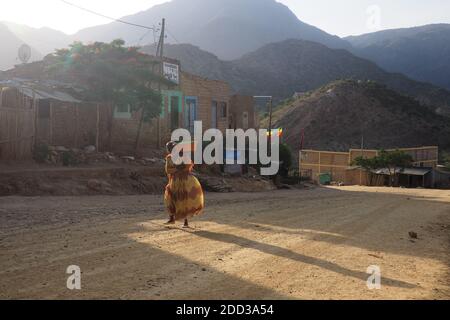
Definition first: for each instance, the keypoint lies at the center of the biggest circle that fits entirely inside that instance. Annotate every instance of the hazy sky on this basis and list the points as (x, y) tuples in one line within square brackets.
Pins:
[(340, 17)]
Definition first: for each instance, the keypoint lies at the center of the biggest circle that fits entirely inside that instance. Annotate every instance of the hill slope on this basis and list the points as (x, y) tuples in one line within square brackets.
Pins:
[(44, 40), (335, 117), (227, 28), (280, 69), (422, 53), (10, 45)]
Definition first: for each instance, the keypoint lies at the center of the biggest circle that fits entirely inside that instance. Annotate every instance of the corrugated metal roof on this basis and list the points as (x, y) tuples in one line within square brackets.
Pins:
[(40, 90), (407, 171)]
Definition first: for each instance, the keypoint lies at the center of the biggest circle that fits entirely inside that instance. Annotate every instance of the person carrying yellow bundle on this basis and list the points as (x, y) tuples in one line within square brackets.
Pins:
[(183, 196)]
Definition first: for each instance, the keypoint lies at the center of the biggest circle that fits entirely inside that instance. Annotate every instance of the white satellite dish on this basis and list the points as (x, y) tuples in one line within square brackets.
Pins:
[(24, 53)]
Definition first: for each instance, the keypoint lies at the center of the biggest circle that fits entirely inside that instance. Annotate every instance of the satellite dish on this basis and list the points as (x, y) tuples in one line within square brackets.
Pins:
[(24, 53)]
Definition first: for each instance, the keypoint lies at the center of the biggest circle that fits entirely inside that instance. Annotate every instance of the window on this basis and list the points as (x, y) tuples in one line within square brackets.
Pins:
[(44, 109), (190, 115), (174, 112), (223, 110), (245, 120), (214, 114), (123, 108), (122, 112)]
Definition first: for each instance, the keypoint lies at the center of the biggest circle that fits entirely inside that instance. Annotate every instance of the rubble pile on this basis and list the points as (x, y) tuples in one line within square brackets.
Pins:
[(62, 156)]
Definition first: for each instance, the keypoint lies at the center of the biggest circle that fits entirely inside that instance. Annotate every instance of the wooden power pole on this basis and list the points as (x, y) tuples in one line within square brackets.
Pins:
[(160, 56)]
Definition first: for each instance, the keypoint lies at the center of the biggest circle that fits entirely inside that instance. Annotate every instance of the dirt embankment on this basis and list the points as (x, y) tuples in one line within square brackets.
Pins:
[(111, 180)]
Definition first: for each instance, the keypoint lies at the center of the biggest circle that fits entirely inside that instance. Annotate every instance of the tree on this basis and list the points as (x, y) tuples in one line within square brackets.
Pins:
[(113, 73), (394, 161), (285, 159)]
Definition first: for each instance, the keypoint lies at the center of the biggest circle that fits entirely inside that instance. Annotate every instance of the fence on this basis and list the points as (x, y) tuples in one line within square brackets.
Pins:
[(17, 125)]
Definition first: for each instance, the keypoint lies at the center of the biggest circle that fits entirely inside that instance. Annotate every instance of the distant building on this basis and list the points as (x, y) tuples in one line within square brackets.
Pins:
[(243, 114), (298, 95), (338, 165)]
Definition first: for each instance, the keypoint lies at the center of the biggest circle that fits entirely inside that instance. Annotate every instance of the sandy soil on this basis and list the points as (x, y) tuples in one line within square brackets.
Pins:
[(296, 244)]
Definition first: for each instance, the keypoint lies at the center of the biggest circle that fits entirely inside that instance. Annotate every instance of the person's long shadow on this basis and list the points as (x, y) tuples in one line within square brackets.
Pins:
[(289, 254)]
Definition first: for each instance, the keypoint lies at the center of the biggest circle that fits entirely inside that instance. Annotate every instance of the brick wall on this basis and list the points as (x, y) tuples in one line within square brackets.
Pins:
[(315, 162), (124, 130), (207, 91)]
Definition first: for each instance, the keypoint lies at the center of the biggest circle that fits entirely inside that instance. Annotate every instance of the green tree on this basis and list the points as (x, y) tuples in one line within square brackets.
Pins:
[(285, 159), (394, 161), (113, 73)]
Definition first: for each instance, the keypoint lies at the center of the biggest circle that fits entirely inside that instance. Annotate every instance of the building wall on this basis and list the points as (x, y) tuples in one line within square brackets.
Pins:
[(313, 162), (72, 125), (356, 176), (240, 106), (158, 131), (124, 133), (207, 91)]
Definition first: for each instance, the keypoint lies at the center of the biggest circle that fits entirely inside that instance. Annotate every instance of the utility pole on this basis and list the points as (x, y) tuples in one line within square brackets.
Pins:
[(270, 118), (270, 121), (362, 156), (160, 56)]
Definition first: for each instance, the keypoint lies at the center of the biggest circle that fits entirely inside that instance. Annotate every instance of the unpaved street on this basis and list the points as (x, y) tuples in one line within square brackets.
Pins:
[(302, 244)]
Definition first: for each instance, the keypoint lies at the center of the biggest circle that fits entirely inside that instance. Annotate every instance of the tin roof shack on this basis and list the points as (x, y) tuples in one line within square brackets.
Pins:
[(42, 112), (441, 177), (243, 113), (408, 177)]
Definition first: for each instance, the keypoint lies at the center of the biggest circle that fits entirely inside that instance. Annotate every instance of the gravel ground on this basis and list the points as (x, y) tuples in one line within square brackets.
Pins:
[(291, 244)]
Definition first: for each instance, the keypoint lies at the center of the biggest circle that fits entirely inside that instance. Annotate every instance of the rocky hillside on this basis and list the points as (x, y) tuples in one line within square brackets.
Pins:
[(422, 53), (280, 69), (336, 116)]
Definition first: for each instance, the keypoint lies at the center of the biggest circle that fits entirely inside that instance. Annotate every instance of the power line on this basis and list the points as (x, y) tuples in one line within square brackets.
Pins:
[(110, 18), (171, 34), (138, 43)]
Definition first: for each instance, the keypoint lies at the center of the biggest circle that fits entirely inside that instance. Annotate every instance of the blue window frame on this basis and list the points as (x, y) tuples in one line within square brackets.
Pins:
[(190, 112), (214, 114)]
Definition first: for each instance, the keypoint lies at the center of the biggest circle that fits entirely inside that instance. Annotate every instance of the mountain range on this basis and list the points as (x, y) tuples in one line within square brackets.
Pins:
[(280, 69), (261, 46), (422, 53), (43, 40), (227, 28)]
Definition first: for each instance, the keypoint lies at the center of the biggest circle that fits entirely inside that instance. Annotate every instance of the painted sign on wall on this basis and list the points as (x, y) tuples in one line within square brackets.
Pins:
[(172, 72)]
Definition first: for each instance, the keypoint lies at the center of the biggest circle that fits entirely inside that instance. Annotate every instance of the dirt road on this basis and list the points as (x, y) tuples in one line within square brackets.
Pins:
[(304, 244)]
